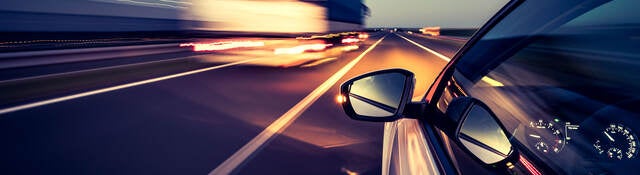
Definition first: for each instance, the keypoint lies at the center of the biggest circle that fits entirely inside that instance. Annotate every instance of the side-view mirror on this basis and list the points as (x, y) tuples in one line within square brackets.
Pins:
[(479, 132), (377, 96)]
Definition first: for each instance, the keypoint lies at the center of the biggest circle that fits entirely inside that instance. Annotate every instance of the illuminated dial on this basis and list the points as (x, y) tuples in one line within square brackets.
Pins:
[(617, 142), (546, 137)]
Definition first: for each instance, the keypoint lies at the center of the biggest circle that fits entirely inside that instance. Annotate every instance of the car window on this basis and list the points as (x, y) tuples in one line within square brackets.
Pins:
[(567, 86)]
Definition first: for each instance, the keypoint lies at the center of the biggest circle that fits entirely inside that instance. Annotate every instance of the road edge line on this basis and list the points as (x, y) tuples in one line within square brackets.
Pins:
[(93, 69), (439, 55), (280, 124), (109, 89)]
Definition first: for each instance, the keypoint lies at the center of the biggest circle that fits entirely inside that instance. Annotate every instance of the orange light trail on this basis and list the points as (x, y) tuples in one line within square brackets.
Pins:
[(433, 31), (301, 49), (350, 48), (215, 46), (363, 36), (350, 40)]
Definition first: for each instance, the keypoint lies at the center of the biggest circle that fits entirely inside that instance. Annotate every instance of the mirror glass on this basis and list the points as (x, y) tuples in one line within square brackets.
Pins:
[(377, 95), (481, 134)]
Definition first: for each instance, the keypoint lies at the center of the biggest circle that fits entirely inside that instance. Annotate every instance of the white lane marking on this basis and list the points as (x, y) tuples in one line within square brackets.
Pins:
[(441, 37), (286, 119), (445, 58), (98, 91), (486, 79), (91, 70)]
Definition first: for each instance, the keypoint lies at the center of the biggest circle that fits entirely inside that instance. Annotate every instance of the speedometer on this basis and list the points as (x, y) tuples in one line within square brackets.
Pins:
[(546, 137), (617, 142)]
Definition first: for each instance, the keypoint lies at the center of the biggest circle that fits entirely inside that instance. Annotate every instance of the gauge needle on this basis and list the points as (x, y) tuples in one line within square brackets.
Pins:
[(610, 138), (534, 136)]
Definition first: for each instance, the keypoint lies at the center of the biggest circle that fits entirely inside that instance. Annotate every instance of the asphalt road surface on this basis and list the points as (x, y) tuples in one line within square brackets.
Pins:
[(183, 115)]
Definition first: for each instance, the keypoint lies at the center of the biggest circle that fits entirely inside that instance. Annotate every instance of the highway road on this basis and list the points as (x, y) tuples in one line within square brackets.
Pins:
[(191, 112)]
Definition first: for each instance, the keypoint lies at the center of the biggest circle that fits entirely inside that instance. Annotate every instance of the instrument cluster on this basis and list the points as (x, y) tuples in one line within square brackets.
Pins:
[(615, 141)]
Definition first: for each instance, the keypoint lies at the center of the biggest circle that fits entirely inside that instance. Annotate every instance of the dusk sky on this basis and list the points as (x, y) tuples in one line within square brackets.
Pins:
[(420, 13)]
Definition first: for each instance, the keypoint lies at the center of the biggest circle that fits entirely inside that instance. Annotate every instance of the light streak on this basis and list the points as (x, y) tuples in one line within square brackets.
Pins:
[(215, 46), (258, 16), (350, 40), (301, 49), (433, 31), (363, 36), (529, 166), (350, 48)]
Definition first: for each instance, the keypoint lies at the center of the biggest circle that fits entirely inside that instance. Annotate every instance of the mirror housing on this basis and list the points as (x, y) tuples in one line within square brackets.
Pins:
[(379, 96), (479, 132)]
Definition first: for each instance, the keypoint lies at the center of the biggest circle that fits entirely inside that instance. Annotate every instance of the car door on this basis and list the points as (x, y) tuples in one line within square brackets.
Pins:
[(562, 77)]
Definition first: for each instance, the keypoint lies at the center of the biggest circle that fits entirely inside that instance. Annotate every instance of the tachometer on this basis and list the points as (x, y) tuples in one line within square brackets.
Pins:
[(546, 137), (617, 142)]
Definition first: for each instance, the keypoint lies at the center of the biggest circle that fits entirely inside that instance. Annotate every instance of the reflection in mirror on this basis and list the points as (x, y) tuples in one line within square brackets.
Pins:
[(367, 109), (377, 95), (482, 135)]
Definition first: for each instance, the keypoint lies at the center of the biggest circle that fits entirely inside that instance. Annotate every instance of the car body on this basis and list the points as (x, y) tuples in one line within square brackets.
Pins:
[(559, 78)]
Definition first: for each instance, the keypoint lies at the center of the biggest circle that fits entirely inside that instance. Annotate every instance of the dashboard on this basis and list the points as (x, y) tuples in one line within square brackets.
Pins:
[(602, 140), (614, 141)]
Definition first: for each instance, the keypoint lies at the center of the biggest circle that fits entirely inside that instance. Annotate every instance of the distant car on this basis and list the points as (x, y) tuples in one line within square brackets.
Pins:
[(544, 87)]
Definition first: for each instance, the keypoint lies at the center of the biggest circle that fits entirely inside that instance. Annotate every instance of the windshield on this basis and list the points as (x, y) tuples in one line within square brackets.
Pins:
[(565, 84)]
